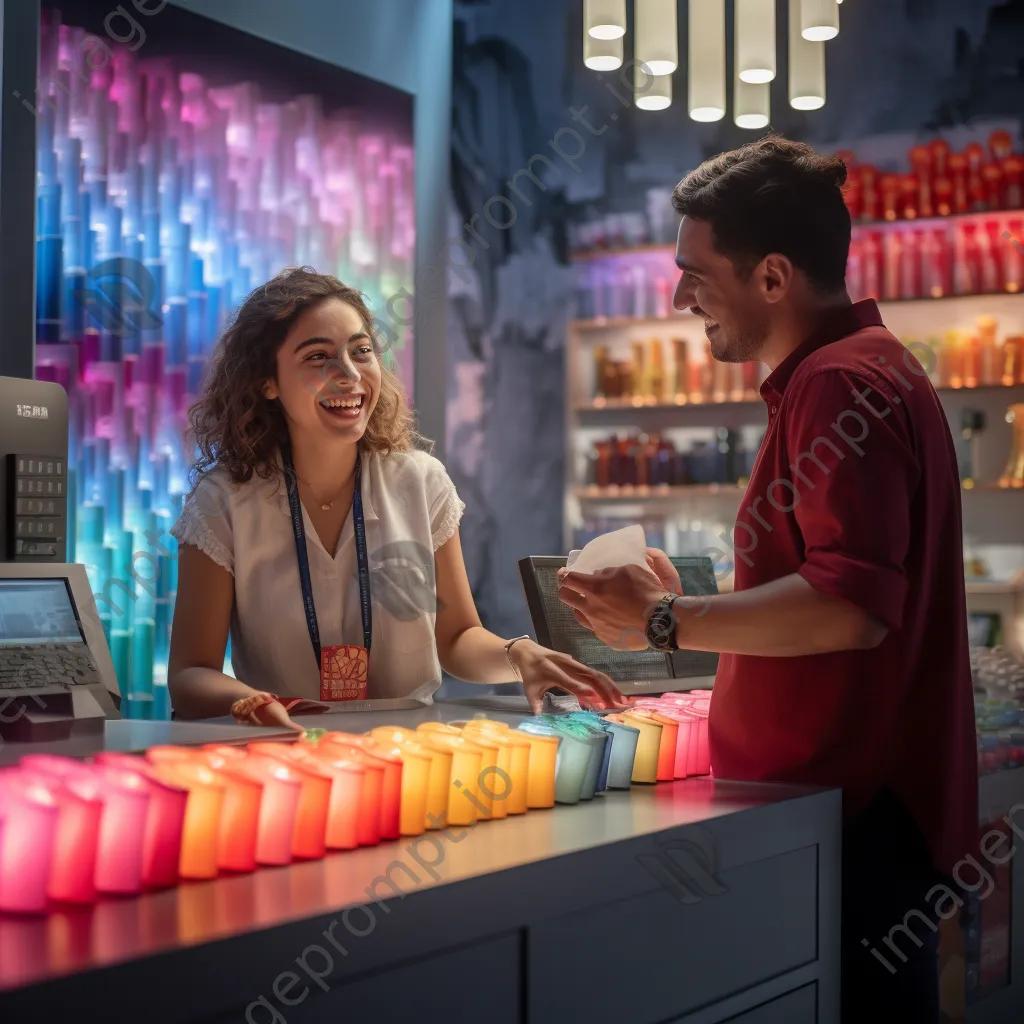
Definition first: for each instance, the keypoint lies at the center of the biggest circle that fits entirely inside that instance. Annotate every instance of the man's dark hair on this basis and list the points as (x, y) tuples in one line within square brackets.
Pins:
[(774, 196)]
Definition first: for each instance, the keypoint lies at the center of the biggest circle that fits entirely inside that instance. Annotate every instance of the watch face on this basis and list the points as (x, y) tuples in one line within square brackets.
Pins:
[(661, 628)]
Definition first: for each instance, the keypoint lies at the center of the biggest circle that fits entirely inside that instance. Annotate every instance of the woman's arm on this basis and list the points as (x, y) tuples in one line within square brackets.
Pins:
[(469, 652), (199, 636)]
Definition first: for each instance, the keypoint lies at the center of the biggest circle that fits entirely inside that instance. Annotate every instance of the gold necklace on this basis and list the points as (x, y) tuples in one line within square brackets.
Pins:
[(326, 506)]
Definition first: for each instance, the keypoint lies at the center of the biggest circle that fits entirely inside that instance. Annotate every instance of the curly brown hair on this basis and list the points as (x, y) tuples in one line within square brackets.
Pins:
[(235, 425)]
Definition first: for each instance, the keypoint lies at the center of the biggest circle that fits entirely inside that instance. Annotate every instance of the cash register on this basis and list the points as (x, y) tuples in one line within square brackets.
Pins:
[(56, 676)]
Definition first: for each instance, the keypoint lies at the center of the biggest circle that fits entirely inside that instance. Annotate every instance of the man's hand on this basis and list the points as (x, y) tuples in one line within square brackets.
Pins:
[(662, 567), (615, 604)]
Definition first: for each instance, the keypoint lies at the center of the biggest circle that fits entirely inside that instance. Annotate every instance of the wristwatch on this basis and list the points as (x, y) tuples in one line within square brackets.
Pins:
[(661, 626)]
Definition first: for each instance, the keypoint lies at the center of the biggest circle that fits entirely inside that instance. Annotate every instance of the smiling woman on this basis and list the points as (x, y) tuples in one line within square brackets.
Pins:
[(309, 482)]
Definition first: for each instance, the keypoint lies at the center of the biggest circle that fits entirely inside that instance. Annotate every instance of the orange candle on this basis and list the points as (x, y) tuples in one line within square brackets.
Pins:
[(309, 839), (510, 792), (467, 760), (540, 786), (353, 814), (440, 769), (416, 763), (493, 762), (240, 816), (173, 755), (391, 792), (201, 828)]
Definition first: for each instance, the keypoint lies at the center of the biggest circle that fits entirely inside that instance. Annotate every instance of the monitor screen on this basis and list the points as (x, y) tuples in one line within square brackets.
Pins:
[(37, 611)]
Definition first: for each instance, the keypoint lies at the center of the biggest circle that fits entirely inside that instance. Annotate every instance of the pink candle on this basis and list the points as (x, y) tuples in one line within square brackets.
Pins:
[(348, 781), (278, 808), (165, 820), (309, 839), (123, 822), (28, 830), (76, 841)]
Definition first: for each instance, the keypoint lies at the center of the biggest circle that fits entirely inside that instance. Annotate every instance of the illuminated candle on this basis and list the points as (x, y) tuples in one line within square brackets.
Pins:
[(515, 801), (667, 745), (648, 747), (279, 805), (165, 819), (699, 704), (620, 765), (239, 816), (391, 791), (574, 758), (416, 764), (595, 744), (494, 761), (122, 830), (201, 828), (440, 770), (464, 805), (173, 755), (354, 815), (687, 722), (309, 838), (540, 788), (29, 817)]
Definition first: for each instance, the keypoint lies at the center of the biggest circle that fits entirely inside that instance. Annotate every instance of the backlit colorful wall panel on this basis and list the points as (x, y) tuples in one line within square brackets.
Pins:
[(168, 187)]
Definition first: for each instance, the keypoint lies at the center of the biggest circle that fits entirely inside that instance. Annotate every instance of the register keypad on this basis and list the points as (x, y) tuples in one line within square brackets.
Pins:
[(37, 507)]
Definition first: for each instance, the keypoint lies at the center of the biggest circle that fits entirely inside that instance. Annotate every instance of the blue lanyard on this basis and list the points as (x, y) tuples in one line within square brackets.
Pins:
[(363, 562)]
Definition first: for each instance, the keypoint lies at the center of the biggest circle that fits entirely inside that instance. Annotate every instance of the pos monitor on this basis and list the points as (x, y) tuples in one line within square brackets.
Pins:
[(634, 672), (56, 676)]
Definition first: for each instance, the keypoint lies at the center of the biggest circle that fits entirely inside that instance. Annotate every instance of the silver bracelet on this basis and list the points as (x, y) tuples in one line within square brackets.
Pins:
[(508, 653)]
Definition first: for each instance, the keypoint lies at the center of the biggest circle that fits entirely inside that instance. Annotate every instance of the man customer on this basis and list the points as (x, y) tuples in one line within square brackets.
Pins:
[(844, 644)]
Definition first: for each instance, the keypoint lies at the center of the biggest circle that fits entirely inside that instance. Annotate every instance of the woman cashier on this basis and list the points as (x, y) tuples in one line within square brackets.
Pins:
[(319, 536)]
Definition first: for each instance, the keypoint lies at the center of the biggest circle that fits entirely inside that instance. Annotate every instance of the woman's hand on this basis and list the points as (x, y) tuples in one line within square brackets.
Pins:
[(541, 670), (274, 714)]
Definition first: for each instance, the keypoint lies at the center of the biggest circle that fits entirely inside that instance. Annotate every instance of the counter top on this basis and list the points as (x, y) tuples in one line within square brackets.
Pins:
[(124, 931)]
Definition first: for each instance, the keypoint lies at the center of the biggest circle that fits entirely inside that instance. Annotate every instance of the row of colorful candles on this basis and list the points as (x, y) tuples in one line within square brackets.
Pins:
[(72, 831)]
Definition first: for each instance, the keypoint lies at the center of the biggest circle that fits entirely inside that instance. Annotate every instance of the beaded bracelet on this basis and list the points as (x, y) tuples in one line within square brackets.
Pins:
[(244, 710)]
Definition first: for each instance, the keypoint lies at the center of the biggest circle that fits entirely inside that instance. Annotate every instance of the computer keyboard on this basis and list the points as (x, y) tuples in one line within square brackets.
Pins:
[(31, 666)]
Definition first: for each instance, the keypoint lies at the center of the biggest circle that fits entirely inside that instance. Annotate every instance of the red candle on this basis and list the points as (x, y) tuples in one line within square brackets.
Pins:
[(279, 806), (348, 781), (29, 815), (391, 791), (165, 820), (309, 838), (368, 824)]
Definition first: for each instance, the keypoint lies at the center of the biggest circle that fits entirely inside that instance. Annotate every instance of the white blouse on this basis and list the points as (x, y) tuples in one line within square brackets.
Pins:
[(410, 507)]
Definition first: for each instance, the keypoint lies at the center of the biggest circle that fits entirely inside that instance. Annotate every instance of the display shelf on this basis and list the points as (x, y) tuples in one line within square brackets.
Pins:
[(859, 225), (617, 405)]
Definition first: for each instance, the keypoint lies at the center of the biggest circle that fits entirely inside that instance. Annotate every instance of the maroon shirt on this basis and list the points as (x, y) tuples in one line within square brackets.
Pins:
[(856, 488)]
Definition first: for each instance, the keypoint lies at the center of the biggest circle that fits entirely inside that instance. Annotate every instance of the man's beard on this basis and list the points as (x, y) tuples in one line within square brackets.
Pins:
[(740, 346)]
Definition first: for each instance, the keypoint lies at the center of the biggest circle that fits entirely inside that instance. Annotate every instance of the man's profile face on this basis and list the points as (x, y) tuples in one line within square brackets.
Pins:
[(734, 312)]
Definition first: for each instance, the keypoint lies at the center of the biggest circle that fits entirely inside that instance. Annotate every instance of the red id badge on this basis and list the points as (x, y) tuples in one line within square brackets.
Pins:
[(343, 672)]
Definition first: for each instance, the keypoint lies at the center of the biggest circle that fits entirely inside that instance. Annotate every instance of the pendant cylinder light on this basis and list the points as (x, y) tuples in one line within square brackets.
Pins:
[(755, 40), (651, 92), (707, 60), (604, 19), (657, 37), (602, 54), (806, 65), (751, 104), (819, 20)]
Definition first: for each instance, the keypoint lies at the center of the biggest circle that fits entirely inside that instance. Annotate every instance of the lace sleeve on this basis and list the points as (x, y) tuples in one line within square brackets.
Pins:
[(205, 523), (446, 507)]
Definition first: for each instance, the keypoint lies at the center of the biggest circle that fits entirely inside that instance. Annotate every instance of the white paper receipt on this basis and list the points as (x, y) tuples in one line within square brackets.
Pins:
[(627, 546)]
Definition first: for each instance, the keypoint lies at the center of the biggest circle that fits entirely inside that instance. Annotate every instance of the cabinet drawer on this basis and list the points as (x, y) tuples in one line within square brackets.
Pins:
[(671, 958), (799, 1007), (459, 986)]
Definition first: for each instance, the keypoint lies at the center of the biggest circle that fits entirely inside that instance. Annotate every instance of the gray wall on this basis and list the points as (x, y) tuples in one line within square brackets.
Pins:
[(406, 44)]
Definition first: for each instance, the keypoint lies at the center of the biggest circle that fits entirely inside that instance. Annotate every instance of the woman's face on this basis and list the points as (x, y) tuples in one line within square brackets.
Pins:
[(328, 375)]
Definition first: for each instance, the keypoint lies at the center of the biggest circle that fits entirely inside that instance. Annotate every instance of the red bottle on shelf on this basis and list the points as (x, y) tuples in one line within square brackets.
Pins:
[(992, 175), (892, 255), (921, 161), (939, 149), (965, 261), (975, 184), (869, 193), (1013, 173), (1012, 251), (958, 170), (889, 186), (935, 264), (855, 270), (872, 265), (943, 196), (1000, 145), (910, 265), (989, 276), (909, 197)]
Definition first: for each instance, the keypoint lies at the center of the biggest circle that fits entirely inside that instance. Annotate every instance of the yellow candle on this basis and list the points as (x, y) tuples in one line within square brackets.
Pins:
[(667, 748), (489, 764), (416, 763), (440, 775), (464, 804), (510, 791), (201, 829), (540, 786), (648, 747)]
